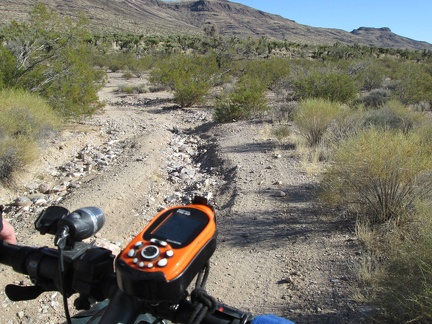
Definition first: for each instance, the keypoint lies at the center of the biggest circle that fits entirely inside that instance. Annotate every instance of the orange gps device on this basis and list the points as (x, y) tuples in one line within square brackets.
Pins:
[(161, 261)]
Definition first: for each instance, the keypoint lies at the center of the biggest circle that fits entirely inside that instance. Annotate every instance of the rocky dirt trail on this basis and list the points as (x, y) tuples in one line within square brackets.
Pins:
[(278, 251)]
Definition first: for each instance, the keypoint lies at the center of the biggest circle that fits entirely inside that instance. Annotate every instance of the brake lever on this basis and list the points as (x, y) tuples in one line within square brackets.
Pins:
[(19, 293)]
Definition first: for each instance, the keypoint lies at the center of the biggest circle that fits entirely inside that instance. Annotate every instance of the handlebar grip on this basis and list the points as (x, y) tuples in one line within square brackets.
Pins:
[(15, 256)]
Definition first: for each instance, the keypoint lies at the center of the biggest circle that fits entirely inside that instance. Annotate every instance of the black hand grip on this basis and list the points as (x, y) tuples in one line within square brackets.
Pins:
[(15, 256)]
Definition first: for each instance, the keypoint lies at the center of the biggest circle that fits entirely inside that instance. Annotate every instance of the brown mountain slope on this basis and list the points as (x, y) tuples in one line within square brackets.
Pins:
[(230, 19)]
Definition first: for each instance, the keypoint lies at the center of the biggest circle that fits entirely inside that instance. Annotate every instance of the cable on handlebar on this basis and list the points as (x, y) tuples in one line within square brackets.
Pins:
[(60, 241), (203, 304)]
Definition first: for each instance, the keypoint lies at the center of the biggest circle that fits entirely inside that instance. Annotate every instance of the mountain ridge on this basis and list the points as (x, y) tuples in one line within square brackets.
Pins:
[(231, 19)]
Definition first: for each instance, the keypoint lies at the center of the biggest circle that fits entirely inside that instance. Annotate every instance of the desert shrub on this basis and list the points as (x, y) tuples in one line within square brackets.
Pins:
[(53, 60), (124, 61), (7, 66), (333, 86), (25, 121), (393, 115), (245, 100), (281, 132), (127, 75), (284, 110), (347, 123), (369, 74), (270, 71), (131, 89), (398, 281), (15, 154), (413, 83), (314, 117), (374, 99), (379, 174), (400, 284), (26, 114), (189, 76)]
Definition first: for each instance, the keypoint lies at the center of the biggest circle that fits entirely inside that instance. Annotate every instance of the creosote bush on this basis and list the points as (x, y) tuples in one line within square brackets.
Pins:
[(247, 99), (190, 77), (333, 86), (379, 174)]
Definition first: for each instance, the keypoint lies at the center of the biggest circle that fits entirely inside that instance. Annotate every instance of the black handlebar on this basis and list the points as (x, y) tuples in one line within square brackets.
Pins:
[(91, 274)]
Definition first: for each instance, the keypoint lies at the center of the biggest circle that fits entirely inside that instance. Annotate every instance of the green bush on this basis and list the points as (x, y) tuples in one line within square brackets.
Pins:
[(314, 117), (247, 99), (25, 121), (413, 83), (7, 66), (189, 76), (369, 74), (333, 86), (52, 59), (379, 174), (269, 71)]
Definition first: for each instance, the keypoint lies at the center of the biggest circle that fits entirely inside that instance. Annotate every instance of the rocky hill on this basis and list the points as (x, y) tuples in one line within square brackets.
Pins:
[(229, 18)]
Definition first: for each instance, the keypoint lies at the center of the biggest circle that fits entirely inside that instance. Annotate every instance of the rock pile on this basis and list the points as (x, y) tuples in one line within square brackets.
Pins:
[(187, 175)]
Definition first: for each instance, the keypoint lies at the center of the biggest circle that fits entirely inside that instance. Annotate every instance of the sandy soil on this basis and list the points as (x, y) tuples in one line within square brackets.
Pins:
[(278, 250)]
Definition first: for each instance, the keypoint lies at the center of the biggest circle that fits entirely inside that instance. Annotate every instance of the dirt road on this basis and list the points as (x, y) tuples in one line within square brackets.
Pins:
[(278, 251)]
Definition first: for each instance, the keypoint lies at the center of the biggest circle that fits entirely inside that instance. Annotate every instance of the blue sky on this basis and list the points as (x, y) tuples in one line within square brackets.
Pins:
[(408, 18)]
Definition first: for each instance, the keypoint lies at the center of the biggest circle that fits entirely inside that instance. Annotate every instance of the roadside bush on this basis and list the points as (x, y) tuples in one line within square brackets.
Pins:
[(333, 86), (403, 288), (247, 99), (25, 121), (379, 174), (314, 117), (15, 154), (189, 76)]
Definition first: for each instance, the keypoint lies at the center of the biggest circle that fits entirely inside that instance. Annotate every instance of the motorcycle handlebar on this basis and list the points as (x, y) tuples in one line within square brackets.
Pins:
[(92, 275)]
